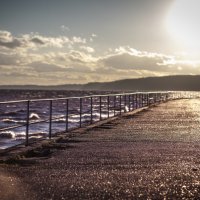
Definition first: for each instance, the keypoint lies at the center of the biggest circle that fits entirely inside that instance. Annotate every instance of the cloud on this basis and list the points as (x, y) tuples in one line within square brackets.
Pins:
[(126, 61), (7, 40), (78, 40), (5, 36), (81, 57), (92, 37), (38, 40), (87, 49), (9, 59), (13, 44), (44, 59), (46, 67), (125, 58), (65, 28), (35, 41)]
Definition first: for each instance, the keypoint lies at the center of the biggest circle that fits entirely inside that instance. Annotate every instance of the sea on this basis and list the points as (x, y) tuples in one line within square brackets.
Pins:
[(15, 114)]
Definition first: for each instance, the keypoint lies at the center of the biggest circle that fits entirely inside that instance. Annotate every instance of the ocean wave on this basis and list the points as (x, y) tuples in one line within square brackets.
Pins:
[(13, 112), (10, 113), (7, 135), (11, 106), (63, 120), (38, 135), (8, 121), (34, 116), (11, 121), (20, 135)]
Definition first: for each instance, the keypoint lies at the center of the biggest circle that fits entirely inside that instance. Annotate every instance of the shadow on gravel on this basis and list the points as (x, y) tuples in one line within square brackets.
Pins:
[(29, 157), (136, 114), (108, 125), (34, 155)]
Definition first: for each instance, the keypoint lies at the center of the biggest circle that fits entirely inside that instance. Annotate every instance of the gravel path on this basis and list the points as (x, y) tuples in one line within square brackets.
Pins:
[(151, 155)]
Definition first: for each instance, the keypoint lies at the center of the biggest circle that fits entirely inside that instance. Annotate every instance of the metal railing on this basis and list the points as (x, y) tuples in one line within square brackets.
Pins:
[(61, 115)]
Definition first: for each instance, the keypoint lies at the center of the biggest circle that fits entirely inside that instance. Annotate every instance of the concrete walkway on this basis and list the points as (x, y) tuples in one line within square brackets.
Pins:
[(154, 154)]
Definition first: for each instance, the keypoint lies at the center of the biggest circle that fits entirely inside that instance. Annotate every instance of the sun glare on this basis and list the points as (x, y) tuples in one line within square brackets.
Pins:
[(183, 23)]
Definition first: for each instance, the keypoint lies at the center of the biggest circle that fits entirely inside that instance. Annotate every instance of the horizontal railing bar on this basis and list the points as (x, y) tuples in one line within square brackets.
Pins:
[(12, 127), (81, 97)]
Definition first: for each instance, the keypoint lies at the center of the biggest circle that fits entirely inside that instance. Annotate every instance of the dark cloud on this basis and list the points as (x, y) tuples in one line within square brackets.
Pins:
[(37, 41), (11, 44)]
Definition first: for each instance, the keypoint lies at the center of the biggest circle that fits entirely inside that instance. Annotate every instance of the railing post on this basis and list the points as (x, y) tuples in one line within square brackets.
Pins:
[(91, 110), (114, 104), (27, 122), (120, 104), (129, 103), (124, 103), (80, 117), (139, 100), (50, 118), (108, 104), (136, 100), (145, 99), (67, 115), (148, 101), (167, 96), (142, 98), (133, 101), (100, 107)]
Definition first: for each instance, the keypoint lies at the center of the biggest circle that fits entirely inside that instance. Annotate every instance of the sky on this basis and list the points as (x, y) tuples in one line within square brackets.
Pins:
[(52, 42)]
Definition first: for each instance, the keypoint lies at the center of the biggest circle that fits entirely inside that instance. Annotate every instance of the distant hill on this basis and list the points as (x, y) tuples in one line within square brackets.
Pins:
[(40, 87), (179, 83)]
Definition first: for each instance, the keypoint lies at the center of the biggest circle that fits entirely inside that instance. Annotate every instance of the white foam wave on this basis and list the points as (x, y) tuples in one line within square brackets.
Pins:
[(11, 106), (20, 135), (37, 135), (11, 121), (7, 135), (34, 116), (8, 120)]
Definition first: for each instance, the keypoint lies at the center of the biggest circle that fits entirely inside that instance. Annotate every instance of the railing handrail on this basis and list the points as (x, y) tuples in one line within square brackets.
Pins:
[(88, 96)]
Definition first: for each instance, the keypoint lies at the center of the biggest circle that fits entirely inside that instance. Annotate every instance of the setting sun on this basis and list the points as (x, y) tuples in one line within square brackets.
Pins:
[(183, 21)]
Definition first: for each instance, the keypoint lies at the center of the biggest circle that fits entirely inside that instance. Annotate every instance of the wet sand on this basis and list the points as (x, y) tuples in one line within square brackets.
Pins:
[(150, 155)]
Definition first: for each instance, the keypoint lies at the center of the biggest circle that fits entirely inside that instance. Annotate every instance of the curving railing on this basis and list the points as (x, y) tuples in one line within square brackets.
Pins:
[(28, 120)]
